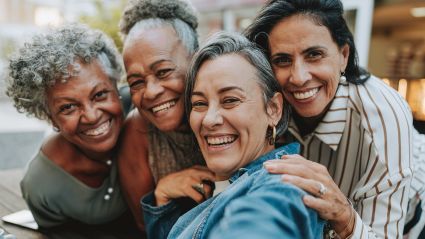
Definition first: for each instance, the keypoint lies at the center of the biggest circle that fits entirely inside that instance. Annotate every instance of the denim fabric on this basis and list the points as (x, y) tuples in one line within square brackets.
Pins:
[(256, 205)]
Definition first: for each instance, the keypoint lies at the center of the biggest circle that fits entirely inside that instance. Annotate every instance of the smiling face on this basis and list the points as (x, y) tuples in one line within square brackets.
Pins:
[(87, 110), (307, 63), (228, 115), (156, 62)]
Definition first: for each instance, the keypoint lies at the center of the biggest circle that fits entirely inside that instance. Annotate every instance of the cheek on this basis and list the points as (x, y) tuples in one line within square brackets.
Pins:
[(281, 76), (195, 120)]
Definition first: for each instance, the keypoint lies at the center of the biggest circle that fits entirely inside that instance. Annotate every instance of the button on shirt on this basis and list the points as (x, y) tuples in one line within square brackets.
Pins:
[(365, 142)]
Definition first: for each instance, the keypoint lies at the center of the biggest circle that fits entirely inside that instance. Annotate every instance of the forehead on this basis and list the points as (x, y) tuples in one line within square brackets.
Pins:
[(88, 75), (151, 41), (300, 31), (227, 70)]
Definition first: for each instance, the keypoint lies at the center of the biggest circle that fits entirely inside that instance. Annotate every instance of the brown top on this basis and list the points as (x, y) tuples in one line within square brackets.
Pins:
[(170, 152)]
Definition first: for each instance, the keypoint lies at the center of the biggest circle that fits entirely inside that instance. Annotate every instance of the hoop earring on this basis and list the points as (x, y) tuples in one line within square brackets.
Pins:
[(272, 135), (342, 78), (56, 129)]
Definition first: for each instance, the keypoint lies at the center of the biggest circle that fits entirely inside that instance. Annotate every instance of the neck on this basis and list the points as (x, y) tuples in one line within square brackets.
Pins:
[(307, 125)]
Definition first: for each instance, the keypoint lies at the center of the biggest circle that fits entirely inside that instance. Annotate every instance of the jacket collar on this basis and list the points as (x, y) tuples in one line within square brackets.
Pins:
[(293, 148)]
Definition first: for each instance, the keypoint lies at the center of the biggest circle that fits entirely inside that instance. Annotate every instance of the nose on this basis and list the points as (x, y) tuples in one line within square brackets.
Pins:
[(153, 89), (90, 115), (300, 73), (212, 118)]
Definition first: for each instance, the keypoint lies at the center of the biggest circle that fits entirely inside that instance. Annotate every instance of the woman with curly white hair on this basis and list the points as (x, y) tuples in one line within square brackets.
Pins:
[(68, 77)]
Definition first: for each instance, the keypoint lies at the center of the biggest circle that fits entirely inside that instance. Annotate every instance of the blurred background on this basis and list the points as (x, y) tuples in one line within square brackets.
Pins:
[(389, 34)]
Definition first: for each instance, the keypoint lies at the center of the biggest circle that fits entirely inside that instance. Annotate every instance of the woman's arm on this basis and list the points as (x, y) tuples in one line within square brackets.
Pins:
[(134, 172), (270, 210)]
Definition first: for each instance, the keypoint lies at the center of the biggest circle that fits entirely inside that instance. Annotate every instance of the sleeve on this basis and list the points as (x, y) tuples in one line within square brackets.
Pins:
[(45, 213), (382, 193), (272, 210), (159, 220)]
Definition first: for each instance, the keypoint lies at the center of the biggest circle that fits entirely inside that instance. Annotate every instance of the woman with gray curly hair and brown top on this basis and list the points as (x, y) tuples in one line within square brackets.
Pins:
[(157, 148), (68, 77)]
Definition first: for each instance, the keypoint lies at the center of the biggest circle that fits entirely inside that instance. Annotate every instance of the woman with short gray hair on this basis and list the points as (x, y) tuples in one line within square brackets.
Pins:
[(68, 77)]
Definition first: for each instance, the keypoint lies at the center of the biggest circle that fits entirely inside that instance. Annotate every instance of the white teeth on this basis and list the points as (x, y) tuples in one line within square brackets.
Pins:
[(220, 140), (164, 106), (305, 95), (103, 128)]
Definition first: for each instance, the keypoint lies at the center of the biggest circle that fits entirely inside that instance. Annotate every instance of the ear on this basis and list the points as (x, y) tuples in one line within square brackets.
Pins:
[(274, 108), (345, 53)]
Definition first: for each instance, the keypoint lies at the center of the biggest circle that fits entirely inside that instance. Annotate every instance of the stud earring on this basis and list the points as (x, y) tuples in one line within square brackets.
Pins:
[(56, 129), (343, 78)]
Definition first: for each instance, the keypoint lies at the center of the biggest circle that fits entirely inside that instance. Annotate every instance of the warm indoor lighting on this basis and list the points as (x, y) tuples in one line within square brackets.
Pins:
[(47, 16), (402, 87), (416, 98), (386, 81), (418, 11)]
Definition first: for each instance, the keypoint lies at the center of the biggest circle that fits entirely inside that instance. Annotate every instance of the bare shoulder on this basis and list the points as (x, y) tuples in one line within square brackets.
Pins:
[(134, 139), (58, 149)]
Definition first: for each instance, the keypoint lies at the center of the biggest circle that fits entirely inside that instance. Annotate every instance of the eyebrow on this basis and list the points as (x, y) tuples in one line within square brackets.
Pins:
[(151, 67), (312, 48), (94, 89), (220, 91)]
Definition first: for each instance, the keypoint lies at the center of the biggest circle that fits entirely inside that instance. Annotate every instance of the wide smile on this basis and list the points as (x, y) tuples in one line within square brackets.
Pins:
[(102, 129), (305, 95), (220, 142), (163, 106)]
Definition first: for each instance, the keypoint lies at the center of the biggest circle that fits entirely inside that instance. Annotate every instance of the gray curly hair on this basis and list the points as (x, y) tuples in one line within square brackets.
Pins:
[(148, 14), (52, 56)]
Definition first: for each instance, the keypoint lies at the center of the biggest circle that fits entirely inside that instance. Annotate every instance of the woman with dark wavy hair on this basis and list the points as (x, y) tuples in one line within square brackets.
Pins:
[(355, 130), (69, 77)]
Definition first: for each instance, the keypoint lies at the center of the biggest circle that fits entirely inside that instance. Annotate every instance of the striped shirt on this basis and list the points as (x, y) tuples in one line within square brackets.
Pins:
[(365, 141)]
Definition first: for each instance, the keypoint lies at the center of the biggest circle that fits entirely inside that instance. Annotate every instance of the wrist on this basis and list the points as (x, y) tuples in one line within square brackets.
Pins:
[(346, 227), (160, 199)]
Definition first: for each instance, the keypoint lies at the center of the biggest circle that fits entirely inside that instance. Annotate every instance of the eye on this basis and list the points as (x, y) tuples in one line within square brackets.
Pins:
[(101, 95), (137, 84), (282, 60), (230, 102), (67, 108), (314, 55), (163, 73), (199, 105)]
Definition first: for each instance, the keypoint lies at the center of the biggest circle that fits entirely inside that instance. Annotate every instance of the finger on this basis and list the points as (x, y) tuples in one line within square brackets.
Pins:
[(322, 207), (308, 185), (201, 175), (195, 195), (291, 169), (208, 191)]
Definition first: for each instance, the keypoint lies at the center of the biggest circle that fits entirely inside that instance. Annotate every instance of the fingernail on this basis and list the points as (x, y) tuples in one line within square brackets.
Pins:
[(268, 166)]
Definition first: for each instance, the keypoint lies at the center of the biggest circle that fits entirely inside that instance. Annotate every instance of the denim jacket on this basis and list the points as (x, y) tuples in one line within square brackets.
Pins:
[(255, 205)]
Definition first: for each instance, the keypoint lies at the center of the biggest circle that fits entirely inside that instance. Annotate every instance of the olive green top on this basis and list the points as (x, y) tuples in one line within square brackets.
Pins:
[(55, 197)]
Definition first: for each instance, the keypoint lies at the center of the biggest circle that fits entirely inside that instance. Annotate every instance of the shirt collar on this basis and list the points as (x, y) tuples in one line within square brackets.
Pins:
[(293, 148), (331, 128)]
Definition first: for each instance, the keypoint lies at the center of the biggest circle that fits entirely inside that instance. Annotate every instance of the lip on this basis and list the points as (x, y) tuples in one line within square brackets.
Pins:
[(102, 135), (150, 108), (219, 147), (307, 100)]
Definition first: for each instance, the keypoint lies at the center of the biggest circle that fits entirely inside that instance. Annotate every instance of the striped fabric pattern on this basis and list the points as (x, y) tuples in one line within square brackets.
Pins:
[(365, 142)]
